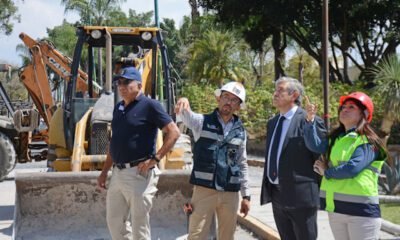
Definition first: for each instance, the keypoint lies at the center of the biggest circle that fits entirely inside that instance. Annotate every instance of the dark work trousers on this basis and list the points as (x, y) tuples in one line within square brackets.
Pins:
[(293, 223)]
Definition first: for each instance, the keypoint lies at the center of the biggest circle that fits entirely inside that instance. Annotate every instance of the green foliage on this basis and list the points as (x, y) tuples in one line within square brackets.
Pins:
[(214, 58), (367, 28), (258, 109), (64, 38), (201, 97), (387, 79), (140, 19), (116, 18), (92, 12), (390, 212), (258, 105), (23, 53), (14, 87), (8, 14), (310, 67), (173, 42)]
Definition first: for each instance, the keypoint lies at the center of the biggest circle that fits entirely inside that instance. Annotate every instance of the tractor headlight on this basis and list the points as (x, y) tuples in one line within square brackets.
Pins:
[(96, 34), (146, 36)]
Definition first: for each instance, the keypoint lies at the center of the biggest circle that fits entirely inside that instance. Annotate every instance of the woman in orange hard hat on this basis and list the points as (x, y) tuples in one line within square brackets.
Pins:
[(349, 187)]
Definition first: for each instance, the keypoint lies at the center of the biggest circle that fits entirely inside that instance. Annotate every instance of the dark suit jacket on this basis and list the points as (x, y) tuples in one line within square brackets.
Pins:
[(297, 179)]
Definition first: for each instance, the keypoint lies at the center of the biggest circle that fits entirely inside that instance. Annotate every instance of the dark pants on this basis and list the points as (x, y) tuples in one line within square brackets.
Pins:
[(293, 223)]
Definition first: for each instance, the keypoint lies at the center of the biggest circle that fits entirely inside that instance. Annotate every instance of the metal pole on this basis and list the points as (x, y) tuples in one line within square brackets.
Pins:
[(157, 22), (325, 62)]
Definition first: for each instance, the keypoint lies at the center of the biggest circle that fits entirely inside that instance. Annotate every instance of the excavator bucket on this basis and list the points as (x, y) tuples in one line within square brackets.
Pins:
[(66, 205)]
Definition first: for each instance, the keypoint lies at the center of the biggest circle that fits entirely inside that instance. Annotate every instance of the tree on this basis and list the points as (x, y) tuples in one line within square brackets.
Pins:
[(93, 12), (368, 29), (140, 19), (387, 86), (8, 14), (194, 9), (173, 41), (24, 53), (63, 37), (116, 18), (249, 19), (216, 57)]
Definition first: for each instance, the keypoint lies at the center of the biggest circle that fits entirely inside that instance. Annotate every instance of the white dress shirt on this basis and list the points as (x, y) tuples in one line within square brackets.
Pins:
[(285, 126)]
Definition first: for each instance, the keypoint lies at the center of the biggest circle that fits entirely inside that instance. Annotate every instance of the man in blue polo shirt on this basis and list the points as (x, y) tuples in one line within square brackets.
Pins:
[(133, 156)]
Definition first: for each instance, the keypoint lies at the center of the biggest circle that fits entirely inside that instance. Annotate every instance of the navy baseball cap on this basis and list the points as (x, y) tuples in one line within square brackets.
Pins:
[(130, 73)]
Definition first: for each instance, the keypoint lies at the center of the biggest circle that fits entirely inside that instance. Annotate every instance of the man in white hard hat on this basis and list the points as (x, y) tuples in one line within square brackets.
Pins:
[(220, 168)]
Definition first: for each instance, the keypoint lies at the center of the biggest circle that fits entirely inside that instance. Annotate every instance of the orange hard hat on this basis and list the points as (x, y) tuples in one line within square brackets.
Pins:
[(363, 99)]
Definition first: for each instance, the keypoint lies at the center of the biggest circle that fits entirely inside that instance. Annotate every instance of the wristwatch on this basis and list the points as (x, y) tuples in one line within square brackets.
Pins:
[(155, 158), (246, 197)]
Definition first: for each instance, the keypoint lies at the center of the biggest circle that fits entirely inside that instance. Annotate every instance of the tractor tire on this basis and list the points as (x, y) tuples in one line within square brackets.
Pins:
[(7, 156)]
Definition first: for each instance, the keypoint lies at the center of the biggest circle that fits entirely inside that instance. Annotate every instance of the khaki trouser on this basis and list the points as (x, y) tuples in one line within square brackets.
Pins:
[(130, 195), (347, 227), (206, 202)]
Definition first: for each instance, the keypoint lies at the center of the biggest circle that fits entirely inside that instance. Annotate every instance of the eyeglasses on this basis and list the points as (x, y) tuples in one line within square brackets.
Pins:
[(123, 81), (281, 90), (233, 100)]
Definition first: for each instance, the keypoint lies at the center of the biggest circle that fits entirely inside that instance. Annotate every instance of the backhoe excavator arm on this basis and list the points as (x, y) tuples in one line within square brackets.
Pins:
[(35, 78)]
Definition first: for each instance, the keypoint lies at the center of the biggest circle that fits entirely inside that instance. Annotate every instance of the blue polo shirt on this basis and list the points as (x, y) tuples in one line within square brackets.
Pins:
[(134, 129)]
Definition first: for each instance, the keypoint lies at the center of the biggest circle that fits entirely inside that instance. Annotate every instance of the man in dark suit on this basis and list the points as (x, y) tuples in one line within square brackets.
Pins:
[(289, 181)]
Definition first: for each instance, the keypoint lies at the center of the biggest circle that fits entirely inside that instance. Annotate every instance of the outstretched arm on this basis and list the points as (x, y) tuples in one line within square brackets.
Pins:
[(192, 120)]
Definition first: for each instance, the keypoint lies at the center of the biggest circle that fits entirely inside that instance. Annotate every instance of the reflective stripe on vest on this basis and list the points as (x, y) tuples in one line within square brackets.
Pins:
[(210, 177), (215, 157), (352, 198), (203, 175), (211, 135)]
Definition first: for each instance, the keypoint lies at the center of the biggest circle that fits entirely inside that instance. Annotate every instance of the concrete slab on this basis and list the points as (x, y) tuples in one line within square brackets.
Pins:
[(7, 194), (164, 227)]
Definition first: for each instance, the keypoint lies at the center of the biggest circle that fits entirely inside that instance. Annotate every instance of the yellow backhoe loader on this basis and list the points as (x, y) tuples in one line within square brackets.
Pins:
[(64, 204)]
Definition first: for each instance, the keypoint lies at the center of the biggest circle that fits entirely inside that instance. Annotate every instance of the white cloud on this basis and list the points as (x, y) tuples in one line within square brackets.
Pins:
[(38, 15)]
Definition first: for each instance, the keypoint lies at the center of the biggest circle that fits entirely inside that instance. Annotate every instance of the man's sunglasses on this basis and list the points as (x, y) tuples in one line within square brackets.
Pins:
[(124, 81)]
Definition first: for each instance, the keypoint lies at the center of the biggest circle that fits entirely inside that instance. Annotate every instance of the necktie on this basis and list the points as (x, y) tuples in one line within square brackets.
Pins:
[(273, 158)]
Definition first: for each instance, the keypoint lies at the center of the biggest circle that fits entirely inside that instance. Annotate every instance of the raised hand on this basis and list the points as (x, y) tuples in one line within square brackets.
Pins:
[(182, 104), (311, 110)]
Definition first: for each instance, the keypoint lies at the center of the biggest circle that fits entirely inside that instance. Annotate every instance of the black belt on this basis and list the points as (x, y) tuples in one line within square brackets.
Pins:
[(130, 164)]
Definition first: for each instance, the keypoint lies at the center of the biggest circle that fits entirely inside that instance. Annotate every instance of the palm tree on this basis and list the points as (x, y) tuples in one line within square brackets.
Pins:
[(216, 57), (24, 54), (387, 79), (92, 12)]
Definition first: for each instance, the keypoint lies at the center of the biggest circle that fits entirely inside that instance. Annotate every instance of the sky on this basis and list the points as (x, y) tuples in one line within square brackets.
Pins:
[(38, 15)]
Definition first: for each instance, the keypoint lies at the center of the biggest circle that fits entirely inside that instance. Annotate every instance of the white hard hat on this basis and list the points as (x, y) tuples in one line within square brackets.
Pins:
[(236, 88)]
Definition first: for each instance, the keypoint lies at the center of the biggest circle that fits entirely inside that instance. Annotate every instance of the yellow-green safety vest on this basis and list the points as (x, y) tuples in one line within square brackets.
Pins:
[(363, 188)]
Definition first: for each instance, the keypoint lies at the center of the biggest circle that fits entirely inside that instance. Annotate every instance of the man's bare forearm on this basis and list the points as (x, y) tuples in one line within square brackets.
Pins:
[(108, 163), (171, 136)]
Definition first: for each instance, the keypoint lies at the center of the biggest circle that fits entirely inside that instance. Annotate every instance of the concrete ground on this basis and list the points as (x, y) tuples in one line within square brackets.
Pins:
[(262, 214), (7, 199)]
